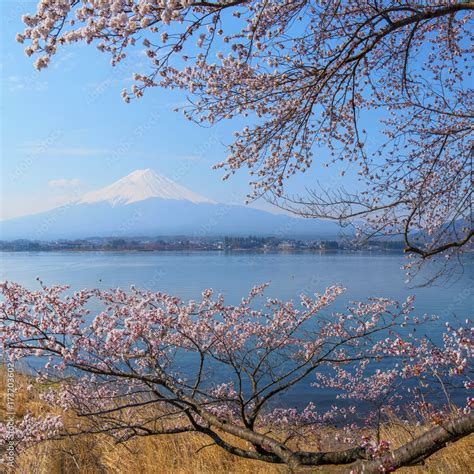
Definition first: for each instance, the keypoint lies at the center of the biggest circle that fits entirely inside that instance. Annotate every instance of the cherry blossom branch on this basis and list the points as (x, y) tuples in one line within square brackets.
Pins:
[(309, 77), (119, 371)]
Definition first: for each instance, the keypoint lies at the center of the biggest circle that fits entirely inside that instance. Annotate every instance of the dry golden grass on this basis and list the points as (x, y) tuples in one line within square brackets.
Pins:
[(457, 458), (184, 454)]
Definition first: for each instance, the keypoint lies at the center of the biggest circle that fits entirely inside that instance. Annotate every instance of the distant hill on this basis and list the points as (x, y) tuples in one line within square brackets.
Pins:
[(146, 203)]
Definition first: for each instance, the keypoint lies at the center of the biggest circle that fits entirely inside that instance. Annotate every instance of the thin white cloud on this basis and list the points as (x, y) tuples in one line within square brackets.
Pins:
[(190, 157), (25, 83), (19, 205), (64, 183), (79, 151), (65, 151), (63, 60)]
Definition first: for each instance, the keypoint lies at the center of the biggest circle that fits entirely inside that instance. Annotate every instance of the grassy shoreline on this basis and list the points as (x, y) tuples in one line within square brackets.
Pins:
[(184, 454)]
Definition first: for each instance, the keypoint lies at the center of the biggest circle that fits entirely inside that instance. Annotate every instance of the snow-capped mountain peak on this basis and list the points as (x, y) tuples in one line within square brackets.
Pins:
[(141, 185), (147, 204)]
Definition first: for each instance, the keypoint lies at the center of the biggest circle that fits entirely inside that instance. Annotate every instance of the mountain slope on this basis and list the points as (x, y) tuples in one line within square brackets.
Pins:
[(147, 204), (141, 185)]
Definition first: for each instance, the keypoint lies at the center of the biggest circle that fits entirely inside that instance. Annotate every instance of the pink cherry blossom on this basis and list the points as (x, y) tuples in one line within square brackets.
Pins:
[(147, 363), (379, 87)]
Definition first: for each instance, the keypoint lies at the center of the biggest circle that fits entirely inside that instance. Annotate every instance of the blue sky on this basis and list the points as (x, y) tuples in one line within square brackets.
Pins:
[(66, 130)]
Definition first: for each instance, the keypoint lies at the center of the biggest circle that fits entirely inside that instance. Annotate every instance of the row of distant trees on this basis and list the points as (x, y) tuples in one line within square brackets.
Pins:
[(228, 243)]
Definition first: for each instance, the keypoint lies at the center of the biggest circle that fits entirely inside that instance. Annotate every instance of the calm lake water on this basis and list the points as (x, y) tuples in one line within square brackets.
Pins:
[(186, 274)]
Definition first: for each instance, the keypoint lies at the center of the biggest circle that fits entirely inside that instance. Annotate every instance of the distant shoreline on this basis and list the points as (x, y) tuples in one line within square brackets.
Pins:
[(196, 250), (250, 243)]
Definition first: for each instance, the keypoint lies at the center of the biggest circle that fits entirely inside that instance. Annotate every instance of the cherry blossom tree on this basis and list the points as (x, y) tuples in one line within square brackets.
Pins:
[(382, 88), (379, 87), (148, 364)]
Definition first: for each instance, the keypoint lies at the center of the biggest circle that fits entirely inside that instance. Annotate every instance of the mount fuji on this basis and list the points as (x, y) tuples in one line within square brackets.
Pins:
[(145, 203), (141, 185)]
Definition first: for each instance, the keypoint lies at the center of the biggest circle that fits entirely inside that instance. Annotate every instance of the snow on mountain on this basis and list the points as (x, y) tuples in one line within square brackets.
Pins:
[(145, 203), (141, 185)]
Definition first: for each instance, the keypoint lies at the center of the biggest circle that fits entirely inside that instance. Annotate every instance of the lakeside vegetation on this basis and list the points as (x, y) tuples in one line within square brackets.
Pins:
[(257, 243), (190, 453), (120, 375)]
